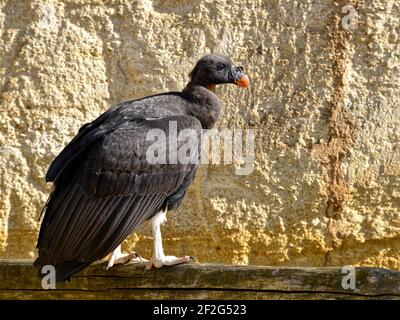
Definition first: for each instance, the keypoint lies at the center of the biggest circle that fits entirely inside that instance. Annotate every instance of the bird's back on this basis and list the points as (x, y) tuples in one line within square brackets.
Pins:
[(105, 187)]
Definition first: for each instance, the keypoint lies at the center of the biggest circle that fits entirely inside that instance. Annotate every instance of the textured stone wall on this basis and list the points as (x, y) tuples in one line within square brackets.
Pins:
[(324, 103)]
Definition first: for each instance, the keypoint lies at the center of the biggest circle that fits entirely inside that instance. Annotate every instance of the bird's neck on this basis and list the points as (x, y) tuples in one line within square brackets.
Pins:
[(204, 104)]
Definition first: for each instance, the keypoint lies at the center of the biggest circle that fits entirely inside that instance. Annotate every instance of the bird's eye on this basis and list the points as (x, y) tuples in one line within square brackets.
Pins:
[(220, 66)]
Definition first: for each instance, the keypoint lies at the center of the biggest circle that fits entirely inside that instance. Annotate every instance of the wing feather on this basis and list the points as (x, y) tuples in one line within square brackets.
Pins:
[(99, 210), (97, 204)]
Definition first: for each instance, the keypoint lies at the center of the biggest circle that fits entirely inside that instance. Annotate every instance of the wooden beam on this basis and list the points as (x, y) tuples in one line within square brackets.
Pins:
[(18, 280)]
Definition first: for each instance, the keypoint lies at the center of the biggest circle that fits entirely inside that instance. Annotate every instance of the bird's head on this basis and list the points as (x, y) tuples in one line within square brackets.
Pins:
[(214, 69)]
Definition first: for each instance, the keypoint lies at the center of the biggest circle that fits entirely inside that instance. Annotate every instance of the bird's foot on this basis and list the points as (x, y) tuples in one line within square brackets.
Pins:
[(123, 258), (168, 261)]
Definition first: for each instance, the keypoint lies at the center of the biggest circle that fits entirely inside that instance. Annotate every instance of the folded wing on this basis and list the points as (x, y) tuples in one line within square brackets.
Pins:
[(106, 186)]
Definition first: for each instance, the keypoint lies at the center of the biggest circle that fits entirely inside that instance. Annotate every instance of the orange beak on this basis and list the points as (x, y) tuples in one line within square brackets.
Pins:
[(243, 82)]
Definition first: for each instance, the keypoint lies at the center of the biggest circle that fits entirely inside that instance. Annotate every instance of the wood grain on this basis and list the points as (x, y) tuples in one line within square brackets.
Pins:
[(19, 280)]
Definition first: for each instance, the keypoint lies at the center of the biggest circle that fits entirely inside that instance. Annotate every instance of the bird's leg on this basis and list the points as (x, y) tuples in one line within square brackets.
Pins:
[(159, 259), (117, 257)]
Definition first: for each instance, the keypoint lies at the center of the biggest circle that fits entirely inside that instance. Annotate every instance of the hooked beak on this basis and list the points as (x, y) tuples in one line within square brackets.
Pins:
[(243, 82), (240, 79)]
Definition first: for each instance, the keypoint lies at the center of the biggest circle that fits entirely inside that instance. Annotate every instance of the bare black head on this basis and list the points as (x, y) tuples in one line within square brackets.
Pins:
[(211, 70), (214, 69)]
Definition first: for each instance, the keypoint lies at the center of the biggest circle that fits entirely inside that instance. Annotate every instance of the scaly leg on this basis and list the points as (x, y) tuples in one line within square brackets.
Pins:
[(117, 257), (159, 259)]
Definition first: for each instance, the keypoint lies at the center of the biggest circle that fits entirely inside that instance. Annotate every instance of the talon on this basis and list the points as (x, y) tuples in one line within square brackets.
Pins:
[(139, 257), (117, 257), (159, 259), (148, 267)]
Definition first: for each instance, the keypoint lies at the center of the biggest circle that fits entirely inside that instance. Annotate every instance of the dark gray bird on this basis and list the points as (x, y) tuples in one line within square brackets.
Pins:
[(105, 186)]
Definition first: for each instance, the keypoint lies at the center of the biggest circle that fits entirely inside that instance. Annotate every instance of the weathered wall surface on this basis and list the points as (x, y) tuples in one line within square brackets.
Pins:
[(324, 101)]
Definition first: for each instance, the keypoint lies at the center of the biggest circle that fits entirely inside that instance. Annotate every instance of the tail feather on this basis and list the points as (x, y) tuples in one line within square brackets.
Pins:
[(64, 271)]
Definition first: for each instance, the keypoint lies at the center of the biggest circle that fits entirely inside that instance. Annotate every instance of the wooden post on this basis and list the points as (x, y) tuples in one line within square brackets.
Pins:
[(18, 280)]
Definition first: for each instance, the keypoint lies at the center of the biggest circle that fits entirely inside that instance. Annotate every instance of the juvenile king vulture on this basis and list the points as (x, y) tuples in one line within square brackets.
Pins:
[(105, 188)]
